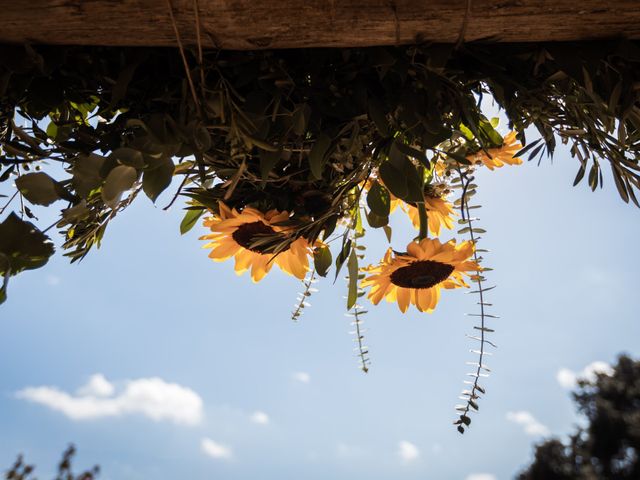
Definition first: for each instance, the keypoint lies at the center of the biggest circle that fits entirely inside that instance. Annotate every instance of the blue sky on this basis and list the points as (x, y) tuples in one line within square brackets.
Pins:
[(201, 373)]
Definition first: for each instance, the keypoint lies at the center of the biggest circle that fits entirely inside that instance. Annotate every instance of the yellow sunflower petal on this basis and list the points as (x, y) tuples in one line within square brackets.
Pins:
[(260, 268), (224, 251), (404, 297)]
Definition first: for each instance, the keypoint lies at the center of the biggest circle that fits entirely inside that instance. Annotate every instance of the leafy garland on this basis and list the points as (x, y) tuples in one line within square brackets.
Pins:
[(303, 146)]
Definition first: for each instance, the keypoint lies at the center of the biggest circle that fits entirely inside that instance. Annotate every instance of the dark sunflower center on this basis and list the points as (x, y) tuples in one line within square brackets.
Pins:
[(248, 233), (421, 274)]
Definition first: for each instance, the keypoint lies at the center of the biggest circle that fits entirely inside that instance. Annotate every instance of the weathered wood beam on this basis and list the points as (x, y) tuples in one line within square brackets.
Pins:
[(255, 24)]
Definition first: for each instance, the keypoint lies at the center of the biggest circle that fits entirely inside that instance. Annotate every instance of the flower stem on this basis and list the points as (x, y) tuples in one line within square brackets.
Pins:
[(422, 212)]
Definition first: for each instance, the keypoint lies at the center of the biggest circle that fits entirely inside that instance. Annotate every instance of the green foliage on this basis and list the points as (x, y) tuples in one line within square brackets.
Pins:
[(22, 247), (297, 130), (608, 447), (322, 260)]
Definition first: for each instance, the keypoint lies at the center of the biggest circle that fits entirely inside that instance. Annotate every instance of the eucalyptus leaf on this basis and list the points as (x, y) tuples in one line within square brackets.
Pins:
[(87, 173), (318, 155), (419, 155), (156, 181), (38, 187), (379, 200), (76, 213), (352, 296), (301, 118), (190, 219), (377, 221), (343, 255), (128, 156), (322, 260), (388, 232), (4, 267), (376, 113), (24, 246), (268, 160), (119, 180), (394, 180)]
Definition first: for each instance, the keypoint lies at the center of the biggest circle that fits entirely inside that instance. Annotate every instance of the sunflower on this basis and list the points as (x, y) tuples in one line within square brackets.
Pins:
[(438, 209), (234, 235), (499, 156), (417, 276), (439, 213)]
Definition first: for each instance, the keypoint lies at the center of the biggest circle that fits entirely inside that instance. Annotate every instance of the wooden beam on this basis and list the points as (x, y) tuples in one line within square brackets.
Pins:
[(257, 24)]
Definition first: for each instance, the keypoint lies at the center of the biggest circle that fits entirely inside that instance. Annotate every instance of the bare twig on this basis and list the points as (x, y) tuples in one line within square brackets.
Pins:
[(184, 58)]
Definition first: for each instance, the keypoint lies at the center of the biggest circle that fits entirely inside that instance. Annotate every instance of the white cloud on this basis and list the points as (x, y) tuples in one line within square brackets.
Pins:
[(566, 378), (529, 423), (302, 377), (150, 397), (97, 386), (215, 450), (481, 476), (407, 451), (260, 418), (569, 379)]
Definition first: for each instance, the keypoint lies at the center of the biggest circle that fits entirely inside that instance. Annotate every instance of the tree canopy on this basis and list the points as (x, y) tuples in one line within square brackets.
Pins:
[(608, 446)]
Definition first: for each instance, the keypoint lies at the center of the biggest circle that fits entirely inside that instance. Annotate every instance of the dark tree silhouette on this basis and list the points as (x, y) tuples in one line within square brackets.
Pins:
[(609, 446), (23, 471)]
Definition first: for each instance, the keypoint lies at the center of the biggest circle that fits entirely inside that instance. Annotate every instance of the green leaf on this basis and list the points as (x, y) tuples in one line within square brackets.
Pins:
[(379, 200), (39, 188), (343, 255), (23, 245), (4, 266), (318, 155), (388, 232), (86, 173), (406, 180), (155, 181), (593, 177), (419, 155), (352, 296), (376, 221), (52, 130), (527, 147), (128, 156), (76, 213), (202, 138), (322, 260), (189, 220), (7, 173), (268, 160), (394, 180), (432, 138), (376, 114), (468, 134), (620, 185), (329, 226), (489, 134), (301, 119), (119, 180), (458, 154), (358, 228), (122, 83)]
